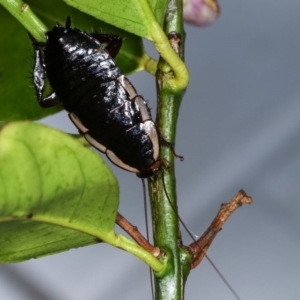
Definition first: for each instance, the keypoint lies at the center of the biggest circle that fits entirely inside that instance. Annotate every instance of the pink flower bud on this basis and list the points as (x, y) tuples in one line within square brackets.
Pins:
[(200, 12)]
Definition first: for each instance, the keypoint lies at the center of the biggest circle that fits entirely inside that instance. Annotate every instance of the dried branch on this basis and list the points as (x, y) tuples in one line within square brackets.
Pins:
[(136, 235), (200, 246)]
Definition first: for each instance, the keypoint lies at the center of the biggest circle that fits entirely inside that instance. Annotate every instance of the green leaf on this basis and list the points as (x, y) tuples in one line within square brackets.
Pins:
[(55, 194), (17, 96), (159, 8), (135, 16)]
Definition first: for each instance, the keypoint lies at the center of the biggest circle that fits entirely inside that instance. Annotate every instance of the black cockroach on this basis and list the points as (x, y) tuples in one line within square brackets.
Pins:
[(102, 103)]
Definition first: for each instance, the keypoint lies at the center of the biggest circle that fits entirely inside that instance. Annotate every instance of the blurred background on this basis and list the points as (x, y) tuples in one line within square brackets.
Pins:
[(239, 127)]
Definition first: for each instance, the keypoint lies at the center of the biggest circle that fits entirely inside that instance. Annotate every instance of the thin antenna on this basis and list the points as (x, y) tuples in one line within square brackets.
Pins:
[(223, 278), (147, 232), (193, 238)]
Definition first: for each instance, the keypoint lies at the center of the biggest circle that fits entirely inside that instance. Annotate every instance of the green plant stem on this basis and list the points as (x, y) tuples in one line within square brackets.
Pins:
[(149, 64), (165, 219), (22, 12)]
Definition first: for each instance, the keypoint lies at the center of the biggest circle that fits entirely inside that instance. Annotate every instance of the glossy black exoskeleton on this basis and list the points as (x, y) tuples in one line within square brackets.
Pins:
[(102, 103)]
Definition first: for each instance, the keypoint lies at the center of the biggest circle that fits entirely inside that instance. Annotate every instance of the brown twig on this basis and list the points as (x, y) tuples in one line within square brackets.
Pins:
[(136, 235), (200, 246)]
